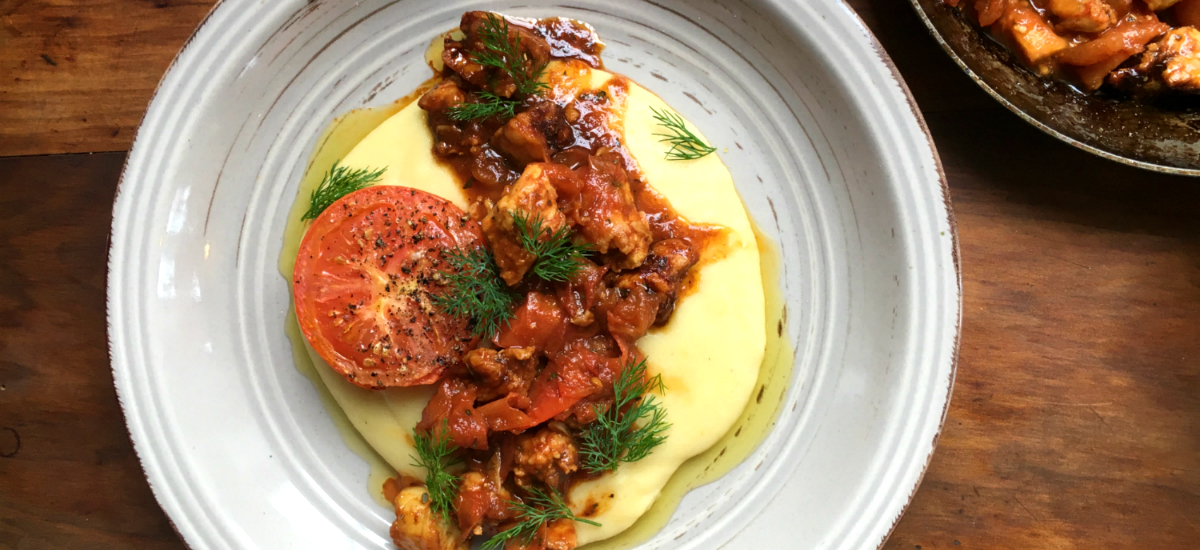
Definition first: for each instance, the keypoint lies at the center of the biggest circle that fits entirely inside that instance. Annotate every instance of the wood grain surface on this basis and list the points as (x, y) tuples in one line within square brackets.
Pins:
[(1075, 421), (76, 75)]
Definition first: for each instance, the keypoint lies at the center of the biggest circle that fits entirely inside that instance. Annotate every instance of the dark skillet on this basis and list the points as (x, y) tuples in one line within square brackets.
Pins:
[(1162, 136)]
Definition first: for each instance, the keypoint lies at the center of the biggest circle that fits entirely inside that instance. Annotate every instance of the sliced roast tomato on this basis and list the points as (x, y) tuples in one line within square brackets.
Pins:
[(504, 414), (575, 373), (538, 322), (541, 322), (365, 277)]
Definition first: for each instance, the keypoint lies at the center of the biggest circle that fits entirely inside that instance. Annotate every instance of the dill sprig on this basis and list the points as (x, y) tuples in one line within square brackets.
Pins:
[(539, 508), (505, 55), (476, 291), (615, 436), (557, 257), (435, 454), (684, 144), (338, 182), (491, 105)]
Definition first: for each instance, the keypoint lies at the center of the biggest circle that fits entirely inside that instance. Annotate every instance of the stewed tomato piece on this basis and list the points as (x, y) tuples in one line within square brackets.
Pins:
[(364, 283)]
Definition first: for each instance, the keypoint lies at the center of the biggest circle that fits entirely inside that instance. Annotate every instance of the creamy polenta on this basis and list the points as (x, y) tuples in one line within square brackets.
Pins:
[(708, 354)]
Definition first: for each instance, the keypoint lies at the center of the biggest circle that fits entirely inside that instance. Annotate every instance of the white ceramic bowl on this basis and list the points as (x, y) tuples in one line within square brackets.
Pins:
[(825, 149)]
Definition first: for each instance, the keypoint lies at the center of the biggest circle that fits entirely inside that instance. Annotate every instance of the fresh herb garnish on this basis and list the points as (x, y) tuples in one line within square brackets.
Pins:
[(338, 182), (435, 454), (492, 105), (539, 508), (557, 257), (684, 144), (505, 55), (476, 291), (615, 436)]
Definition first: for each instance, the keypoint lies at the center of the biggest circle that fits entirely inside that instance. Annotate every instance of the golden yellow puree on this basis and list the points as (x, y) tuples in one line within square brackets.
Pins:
[(751, 427), (656, 484)]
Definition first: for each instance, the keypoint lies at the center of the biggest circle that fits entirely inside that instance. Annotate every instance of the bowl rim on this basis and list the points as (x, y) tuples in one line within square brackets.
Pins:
[(1000, 98), (956, 254), (884, 57)]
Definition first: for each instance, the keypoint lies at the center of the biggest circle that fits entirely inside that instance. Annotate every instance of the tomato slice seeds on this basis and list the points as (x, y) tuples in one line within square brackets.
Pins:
[(364, 280)]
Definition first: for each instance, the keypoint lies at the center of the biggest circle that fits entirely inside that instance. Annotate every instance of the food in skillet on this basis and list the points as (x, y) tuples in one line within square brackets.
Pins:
[(534, 292), (1142, 48)]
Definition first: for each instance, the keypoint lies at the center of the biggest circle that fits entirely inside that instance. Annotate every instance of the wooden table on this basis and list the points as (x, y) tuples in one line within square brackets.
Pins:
[(1075, 420)]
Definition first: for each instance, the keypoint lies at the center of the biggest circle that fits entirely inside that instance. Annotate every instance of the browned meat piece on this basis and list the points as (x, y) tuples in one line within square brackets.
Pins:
[(599, 201), (465, 138), (451, 138), (548, 455), (531, 43), (458, 54), (533, 196), (490, 168), (581, 293), (417, 527), (454, 137), (664, 271), (570, 39), (537, 42), (535, 135), (629, 314), (554, 535), (1169, 63), (501, 372), (446, 94), (1033, 36), (1181, 70), (638, 300), (1089, 16), (457, 57)]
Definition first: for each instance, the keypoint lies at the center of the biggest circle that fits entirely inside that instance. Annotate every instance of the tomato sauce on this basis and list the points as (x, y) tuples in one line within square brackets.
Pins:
[(1090, 43), (361, 280), (585, 328), (519, 398)]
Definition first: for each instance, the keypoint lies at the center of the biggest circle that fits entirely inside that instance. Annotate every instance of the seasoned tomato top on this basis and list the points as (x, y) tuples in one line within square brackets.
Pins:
[(364, 283)]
